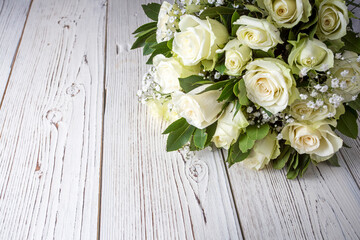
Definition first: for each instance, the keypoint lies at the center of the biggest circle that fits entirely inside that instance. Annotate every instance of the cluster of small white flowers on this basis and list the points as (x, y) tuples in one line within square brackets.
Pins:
[(336, 99), (174, 14), (150, 89), (260, 116)]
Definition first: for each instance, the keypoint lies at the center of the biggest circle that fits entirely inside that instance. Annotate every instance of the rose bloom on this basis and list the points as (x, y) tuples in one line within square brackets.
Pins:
[(316, 139), (302, 112), (263, 151), (229, 127), (198, 39), (347, 71), (168, 72), (270, 84), (257, 33), (287, 13), (310, 55), (163, 18), (333, 19), (236, 57), (199, 109)]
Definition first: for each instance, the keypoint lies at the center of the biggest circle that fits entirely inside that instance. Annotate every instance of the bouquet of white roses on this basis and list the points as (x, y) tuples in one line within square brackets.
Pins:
[(268, 80)]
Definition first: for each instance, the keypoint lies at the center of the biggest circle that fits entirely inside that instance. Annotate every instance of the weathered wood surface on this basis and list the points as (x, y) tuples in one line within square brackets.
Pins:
[(51, 123), (13, 15), (81, 158), (146, 192)]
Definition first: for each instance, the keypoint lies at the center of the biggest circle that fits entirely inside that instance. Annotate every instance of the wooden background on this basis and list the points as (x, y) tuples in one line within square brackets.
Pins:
[(80, 158)]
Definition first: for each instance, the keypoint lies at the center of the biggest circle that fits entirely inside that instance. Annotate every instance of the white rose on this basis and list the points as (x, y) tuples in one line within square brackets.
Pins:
[(169, 70), (163, 18), (263, 151), (236, 57), (270, 84), (310, 55), (229, 127), (287, 13), (257, 33), (333, 20), (198, 39), (162, 110), (302, 112), (199, 109), (347, 71), (316, 139)]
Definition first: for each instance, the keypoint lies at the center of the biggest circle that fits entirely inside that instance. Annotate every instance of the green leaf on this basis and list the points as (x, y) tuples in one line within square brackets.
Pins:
[(235, 155), (227, 92), (210, 130), (140, 42), (170, 43), (253, 8), (220, 68), (152, 10), (352, 42), (175, 125), (234, 27), (148, 48), (304, 161), (245, 143), (355, 104), (216, 86), (152, 30), (160, 48), (236, 89), (243, 99), (256, 133), (292, 173), (200, 137), (179, 138), (347, 124), (334, 161), (213, 12), (145, 27), (281, 161), (190, 83)]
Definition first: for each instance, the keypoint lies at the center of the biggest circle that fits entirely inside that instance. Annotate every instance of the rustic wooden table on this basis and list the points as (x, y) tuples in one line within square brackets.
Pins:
[(81, 159)]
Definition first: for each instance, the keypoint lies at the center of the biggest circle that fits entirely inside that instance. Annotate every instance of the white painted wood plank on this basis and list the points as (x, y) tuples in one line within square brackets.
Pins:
[(12, 20), (146, 192), (51, 122), (322, 205)]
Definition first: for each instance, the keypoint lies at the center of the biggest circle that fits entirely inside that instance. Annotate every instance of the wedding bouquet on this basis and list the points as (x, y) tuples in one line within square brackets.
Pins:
[(267, 80)]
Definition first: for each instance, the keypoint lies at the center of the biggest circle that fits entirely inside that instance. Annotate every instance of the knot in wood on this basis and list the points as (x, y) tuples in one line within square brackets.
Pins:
[(73, 90), (196, 170)]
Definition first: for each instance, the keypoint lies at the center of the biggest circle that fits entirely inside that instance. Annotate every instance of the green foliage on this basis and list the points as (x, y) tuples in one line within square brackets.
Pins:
[(234, 27), (281, 161), (235, 155), (245, 142), (242, 95), (334, 161), (145, 27), (347, 124), (227, 93), (175, 126), (297, 165), (355, 104), (257, 133), (215, 12), (210, 130), (152, 10), (352, 42), (178, 138), (161, 48), (190, 83), (200, 137)]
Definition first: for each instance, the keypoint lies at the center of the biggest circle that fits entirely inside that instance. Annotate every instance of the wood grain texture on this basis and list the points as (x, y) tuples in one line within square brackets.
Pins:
[(51, 122), (146, 192), (322, 205), (12, 20)]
